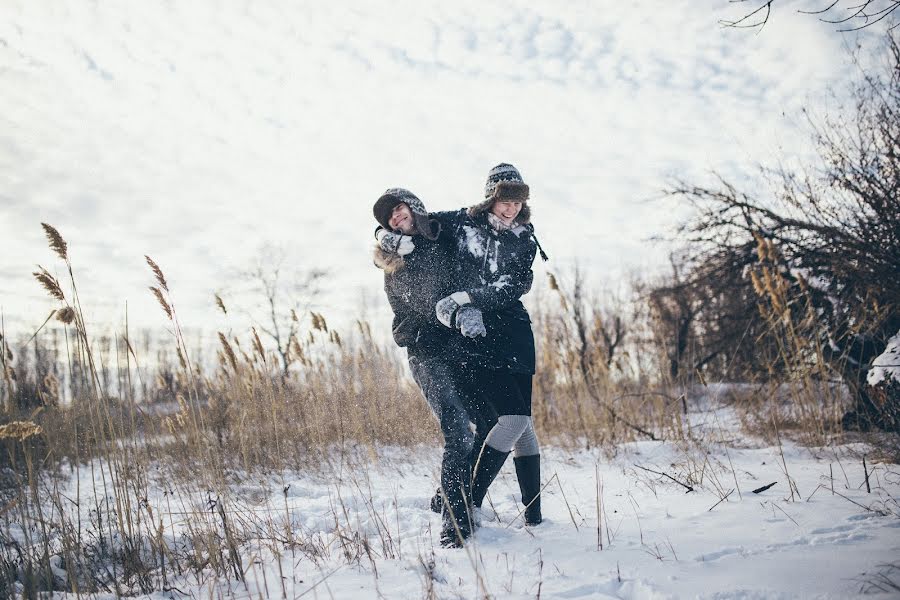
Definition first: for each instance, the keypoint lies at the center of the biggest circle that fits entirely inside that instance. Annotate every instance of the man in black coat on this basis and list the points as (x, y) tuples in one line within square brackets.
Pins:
[(414, 282)]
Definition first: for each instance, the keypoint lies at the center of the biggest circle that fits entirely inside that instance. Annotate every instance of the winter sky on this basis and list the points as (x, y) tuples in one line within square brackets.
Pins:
[(197, 131)]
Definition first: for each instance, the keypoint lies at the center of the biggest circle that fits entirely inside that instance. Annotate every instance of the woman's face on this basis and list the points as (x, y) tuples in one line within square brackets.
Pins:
[(402, 219), (507, 211)]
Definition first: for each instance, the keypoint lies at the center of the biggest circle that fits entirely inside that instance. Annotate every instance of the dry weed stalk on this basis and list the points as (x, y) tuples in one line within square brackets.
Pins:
[(793, 324), (162, 301), (19, 430), (339, 394), (56, 241), (157, 272), (50, 284), (66, 315), (220, 304), (588, 385)]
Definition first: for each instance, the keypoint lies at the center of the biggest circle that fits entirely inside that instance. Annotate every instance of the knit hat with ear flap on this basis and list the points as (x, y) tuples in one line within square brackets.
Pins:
[(504, 182), (391, 197)]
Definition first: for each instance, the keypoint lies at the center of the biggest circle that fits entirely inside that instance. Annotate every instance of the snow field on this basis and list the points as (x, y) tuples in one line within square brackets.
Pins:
[(362, 528)]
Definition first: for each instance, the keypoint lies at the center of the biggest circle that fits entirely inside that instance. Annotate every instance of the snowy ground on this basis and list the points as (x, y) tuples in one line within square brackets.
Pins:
[(658, 541)]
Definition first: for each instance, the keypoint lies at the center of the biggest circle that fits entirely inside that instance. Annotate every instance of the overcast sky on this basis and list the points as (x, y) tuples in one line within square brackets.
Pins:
[(197, 131)]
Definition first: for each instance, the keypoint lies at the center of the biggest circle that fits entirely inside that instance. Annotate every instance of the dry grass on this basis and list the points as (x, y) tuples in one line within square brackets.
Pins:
[(592, 387), (83, 403), (74, 402), (809, 400)]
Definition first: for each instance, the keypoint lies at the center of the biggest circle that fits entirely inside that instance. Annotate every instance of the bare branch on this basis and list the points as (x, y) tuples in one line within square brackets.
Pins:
[(751, 19)]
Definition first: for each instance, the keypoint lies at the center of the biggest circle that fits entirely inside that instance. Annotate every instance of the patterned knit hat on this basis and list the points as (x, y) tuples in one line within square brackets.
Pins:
[(391, 197), (504, 182)]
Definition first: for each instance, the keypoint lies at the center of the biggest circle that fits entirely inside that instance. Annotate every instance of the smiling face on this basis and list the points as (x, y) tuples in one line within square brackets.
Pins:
[(507, 211), (402, 219)]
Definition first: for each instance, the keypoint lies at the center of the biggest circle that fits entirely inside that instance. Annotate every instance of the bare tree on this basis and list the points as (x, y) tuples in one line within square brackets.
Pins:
[(283, 294), (847, 15), (705, 317), (828, 240), (600, 326), (674, 306)]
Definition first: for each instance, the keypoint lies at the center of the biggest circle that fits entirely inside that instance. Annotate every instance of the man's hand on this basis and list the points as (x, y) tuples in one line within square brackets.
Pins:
[(395, 243), (446, 307), (470, 322)]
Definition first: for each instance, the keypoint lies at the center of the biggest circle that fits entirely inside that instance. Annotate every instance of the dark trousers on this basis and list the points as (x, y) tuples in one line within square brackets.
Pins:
[(454, 410)]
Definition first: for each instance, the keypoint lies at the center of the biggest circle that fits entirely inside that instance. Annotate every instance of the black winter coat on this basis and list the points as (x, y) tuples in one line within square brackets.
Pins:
[(413, 284), (495, 269)]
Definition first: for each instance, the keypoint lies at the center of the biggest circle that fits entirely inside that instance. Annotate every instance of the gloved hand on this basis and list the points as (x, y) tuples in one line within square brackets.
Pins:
[(470, 322), (395, 243), (446, 307)]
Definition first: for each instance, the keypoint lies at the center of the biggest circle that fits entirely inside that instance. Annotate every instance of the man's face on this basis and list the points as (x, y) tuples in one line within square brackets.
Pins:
[(507, 211), (402, 219)]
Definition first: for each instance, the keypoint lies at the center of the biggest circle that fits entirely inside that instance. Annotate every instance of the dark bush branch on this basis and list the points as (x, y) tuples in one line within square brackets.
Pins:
[(866, 12)]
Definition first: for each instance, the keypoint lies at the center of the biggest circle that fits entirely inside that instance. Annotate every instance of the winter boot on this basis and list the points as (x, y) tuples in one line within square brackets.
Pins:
[(488, 465), (456, 520), (481, 433), (528, 472), (436, 501), (453, 536), (436, 504)]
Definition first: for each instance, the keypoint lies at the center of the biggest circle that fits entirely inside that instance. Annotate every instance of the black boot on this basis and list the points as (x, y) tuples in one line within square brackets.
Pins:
[(455, 502), (456, 519), (528, 471), (455, 533), (436, 501), (487, 466)]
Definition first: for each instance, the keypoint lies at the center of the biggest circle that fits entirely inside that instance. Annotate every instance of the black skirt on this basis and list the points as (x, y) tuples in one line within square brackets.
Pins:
[(506, 392)]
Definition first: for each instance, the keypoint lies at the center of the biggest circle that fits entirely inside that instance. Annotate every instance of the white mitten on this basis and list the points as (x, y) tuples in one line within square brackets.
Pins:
[(446, 307), (395, 243)]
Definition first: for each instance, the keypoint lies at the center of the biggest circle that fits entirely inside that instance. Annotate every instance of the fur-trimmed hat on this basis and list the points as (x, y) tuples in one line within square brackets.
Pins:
[(504, 182), (508, 179), (391, 197)]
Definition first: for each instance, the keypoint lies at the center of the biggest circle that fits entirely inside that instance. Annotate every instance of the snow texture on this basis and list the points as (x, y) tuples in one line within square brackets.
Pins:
[(887, 366), (480, 244), (502, 282), (819, 538), (474, 242)]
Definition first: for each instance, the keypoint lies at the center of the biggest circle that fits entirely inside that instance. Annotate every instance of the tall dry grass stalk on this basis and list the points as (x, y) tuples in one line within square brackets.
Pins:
[(589, 387), (329, 401), (808, 397), (195, 433)]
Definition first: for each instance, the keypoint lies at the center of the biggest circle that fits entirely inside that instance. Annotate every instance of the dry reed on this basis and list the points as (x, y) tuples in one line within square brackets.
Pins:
[(196, 431)]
